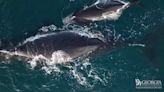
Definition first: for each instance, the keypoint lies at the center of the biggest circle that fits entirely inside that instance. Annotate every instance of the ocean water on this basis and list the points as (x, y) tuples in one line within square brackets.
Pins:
[(140, 54)]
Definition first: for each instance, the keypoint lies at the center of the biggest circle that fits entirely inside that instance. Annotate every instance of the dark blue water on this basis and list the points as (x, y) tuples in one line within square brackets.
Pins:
[(139, 56)]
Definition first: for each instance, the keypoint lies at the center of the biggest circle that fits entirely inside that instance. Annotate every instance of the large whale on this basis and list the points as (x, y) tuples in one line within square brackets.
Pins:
[(101, 10), (66, 45)]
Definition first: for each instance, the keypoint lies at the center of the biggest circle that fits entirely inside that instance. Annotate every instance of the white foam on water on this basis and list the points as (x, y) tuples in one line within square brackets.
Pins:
[(34, 62), (134, 45), (85, 31), (48, 28), (85, 74), (60, 57), (68, 19), (79, 77), (33, 38), (49, 64), (51, 28)]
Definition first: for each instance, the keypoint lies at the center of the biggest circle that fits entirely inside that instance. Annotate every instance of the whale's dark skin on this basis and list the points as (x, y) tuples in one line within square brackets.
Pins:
[(96, 11), (71, 43), (108, 10)]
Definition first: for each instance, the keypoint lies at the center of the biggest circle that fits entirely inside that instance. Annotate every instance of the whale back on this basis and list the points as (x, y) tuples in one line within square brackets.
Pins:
[(71, 43), (95, 11), (109, 3)]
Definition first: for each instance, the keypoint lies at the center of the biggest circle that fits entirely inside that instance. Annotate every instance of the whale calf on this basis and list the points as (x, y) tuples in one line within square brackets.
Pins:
[(101, 10), (65, 44)]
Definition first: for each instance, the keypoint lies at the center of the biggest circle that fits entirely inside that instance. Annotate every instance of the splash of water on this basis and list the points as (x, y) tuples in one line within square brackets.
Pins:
[(48, 28)]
